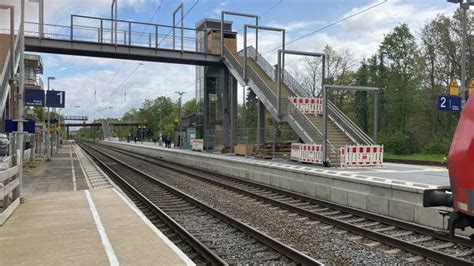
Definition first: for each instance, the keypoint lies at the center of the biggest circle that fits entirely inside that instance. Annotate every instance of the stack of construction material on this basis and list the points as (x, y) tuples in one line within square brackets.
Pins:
[(282, 149)]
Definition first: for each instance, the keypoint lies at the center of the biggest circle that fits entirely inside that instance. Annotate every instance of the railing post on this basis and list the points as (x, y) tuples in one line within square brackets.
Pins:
[(325, 123), (244, 74), (130, 33), (125, 37), (278, 70), (376, 116), (149, 40), (174, 32), (72, 28), (156, 36), (182, 31), (101, 30)]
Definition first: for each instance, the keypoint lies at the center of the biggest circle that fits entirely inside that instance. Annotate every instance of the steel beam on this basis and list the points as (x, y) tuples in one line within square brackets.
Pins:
[(246, 26), (223, 13), (106, 50), (180, 7)]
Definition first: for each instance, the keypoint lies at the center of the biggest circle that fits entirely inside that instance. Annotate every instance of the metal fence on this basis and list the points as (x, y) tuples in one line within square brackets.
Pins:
[(126, 33)]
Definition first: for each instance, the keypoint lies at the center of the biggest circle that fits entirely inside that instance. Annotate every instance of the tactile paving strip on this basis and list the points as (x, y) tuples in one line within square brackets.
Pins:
[(96, 179)]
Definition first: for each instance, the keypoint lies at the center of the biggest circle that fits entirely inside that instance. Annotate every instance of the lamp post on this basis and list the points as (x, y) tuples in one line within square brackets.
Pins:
[(464, 6), (180, 124)]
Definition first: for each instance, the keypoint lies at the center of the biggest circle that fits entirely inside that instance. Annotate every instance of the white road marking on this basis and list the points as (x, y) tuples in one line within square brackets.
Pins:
[(170, 244), (74, 186), (103, 235)]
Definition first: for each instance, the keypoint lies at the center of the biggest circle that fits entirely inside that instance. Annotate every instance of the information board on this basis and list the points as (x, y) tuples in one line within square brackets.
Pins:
[(34, 97)]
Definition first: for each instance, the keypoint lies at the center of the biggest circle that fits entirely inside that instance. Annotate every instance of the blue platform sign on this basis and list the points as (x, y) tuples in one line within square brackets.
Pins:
[(55, 99), (12, 126), (34, 97), (449, 103)]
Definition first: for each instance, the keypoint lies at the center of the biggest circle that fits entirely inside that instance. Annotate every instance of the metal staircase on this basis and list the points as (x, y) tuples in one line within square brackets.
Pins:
[(5, 58), (261, 78)]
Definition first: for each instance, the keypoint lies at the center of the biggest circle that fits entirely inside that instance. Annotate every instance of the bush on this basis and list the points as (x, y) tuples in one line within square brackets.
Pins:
[(437, 145), (396, 142)]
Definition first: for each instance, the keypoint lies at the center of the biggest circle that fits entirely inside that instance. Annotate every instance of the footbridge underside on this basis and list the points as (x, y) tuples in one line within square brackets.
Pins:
[(107, 50)]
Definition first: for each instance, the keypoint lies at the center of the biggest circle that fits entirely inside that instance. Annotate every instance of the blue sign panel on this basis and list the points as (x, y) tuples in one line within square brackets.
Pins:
[(55, 99), (12, 126), (34, 97), (449, 103)]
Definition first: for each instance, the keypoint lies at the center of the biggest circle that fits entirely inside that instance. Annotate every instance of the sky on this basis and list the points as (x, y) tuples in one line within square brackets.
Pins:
[(98, 87)]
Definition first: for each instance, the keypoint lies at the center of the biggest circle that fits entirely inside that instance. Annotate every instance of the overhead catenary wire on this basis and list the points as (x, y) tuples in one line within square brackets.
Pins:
[(328, 25), (157, 11), (271, 8)]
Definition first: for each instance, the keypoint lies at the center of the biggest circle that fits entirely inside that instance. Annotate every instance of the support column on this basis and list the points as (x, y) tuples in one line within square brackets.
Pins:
[(261, 123), (233, 111), (205, 132)]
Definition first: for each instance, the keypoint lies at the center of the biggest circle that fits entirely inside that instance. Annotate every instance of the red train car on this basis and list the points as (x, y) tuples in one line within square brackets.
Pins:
[(460, 196)]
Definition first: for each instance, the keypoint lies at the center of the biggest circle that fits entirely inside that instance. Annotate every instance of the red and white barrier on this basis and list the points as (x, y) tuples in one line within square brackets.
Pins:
[(361, 155), (307, 153), (308, 105)]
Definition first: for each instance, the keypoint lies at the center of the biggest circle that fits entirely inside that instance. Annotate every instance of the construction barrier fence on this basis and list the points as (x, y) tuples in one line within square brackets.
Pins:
[(361, 155), (308, 105), (307, 153)]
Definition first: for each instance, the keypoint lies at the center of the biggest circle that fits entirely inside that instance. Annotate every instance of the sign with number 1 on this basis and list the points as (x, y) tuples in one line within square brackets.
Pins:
[(55, 99)]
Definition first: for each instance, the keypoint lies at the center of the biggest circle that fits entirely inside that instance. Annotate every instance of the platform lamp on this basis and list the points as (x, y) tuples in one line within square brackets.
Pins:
[(464, 6)]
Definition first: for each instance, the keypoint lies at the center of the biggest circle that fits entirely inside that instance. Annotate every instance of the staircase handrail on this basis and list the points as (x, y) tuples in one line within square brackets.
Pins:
[(6, 73), (347, 125), (303, 119), (253, 75)]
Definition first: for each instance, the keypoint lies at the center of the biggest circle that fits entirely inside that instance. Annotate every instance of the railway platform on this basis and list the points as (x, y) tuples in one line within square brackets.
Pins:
[(396, 190), (72, 214)]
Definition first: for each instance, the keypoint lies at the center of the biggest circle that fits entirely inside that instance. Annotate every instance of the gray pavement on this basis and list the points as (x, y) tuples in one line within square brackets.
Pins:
[(55, 175)]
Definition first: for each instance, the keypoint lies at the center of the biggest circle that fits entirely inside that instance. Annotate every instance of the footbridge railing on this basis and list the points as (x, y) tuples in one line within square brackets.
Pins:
[(129, 33)]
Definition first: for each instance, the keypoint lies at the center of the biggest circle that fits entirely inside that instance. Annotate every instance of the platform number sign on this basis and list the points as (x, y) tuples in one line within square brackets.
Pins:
[(55, 99), (449, 103)]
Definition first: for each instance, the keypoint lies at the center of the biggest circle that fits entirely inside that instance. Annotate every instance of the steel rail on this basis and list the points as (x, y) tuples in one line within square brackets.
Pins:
[(410, 247), (272, 243), (204, 251)]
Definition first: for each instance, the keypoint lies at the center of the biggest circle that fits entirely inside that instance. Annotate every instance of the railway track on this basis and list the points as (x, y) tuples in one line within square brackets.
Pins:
[(422, 241), (214, 237)]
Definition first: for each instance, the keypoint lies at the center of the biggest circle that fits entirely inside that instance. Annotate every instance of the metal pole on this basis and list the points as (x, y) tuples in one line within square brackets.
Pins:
[(72, 28), (182, 28), (376, 116), (174, 32), (116, 17), (21, 104), (256, 36), (130, 33), (325, 110), (112, 23), (156, 36), (222, 34), (101, 30), (325, 122), (279, 81), (12, 42), (464, 8), (244, 74), (41, 19), (274, 138), (48, 126)]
